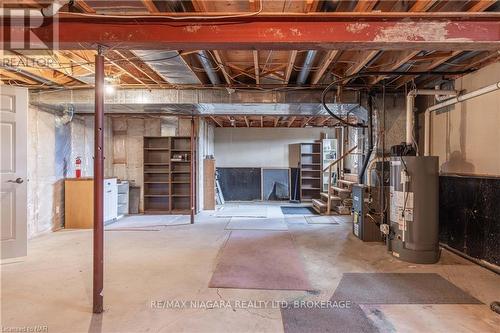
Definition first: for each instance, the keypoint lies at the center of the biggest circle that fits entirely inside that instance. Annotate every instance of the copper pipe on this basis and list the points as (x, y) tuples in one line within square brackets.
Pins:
[(98, 184)]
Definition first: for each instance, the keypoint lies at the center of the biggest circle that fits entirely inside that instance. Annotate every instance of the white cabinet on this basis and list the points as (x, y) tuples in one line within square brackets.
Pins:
[(110, 199)]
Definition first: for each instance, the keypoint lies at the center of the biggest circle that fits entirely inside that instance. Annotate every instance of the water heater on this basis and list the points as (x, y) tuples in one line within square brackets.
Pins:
[(414, 212)]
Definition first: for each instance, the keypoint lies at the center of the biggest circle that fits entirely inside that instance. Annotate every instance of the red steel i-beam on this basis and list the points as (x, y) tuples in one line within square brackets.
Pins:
[(98, 185), (459, 31)]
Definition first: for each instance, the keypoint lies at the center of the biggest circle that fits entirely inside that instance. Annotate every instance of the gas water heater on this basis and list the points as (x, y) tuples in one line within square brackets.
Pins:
[(414, 213)]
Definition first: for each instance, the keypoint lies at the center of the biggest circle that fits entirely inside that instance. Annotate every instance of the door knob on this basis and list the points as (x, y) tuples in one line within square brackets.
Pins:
[(17, 181)]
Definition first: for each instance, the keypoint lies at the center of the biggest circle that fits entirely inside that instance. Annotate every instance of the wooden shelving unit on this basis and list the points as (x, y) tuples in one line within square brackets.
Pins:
[(310, 170), (168, 175)]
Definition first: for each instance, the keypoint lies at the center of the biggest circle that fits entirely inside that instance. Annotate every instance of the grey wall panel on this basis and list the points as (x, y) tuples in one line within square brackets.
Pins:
[(276, 184)]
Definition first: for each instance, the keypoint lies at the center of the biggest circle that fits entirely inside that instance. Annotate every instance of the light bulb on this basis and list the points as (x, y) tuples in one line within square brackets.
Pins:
[(109, 88)]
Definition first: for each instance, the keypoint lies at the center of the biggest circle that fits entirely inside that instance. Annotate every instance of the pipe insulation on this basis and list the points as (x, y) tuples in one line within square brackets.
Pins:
[(361, 179), (306, 67), (449, 102), (208, 67)]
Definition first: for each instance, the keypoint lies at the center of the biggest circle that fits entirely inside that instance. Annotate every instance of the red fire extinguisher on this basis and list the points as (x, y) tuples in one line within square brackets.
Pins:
[(78, 167)]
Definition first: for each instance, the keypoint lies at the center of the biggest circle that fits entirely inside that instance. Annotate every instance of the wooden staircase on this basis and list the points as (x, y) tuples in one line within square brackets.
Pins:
[(337, 198)]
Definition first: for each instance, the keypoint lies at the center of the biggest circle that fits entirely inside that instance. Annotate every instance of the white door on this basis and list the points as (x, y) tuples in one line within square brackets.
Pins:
[(13, 171)]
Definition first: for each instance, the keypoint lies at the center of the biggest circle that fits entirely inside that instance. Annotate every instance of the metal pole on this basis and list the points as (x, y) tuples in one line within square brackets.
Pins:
[(98, 184), (192, 173)]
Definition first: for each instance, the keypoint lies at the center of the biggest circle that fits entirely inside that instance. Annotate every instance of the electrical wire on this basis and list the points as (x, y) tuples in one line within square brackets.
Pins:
[(177, 18), (338, 82)]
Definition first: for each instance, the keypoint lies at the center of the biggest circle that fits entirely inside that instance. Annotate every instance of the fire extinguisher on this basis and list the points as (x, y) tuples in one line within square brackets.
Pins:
[(78, 167)]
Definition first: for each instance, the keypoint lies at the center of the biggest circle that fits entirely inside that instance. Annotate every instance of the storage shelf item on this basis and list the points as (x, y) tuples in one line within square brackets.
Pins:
[(168, 175), (308, 157), (123, 198)]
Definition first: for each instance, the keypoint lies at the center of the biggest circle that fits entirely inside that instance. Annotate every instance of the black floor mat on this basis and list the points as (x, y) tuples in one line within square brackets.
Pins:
[(400, 288), (287, 210), (341, 320)]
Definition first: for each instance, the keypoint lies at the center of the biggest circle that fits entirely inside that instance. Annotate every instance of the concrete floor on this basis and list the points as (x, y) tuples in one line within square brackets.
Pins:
[(52, 286)]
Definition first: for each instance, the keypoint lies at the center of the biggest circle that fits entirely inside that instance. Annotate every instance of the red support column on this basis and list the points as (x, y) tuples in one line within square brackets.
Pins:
[(98, 184), (192, 173)]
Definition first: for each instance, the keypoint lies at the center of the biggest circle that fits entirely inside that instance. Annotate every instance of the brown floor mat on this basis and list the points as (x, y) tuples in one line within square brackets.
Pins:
[(254, 259)]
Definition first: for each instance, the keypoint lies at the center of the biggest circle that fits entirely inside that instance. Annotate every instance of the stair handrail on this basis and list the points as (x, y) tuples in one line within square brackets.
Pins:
[(329, 167), (340, 158)]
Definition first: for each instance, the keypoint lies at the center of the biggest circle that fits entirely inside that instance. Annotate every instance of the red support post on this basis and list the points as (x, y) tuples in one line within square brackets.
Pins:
[(193, 172), (98, 184)]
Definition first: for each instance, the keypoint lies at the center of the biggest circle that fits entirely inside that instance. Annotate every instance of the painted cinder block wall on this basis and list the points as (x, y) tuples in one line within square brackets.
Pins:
[(465, 137)]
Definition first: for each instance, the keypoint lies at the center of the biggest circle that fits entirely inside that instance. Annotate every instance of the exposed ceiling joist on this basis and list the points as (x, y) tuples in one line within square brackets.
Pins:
[(324, 121), (306, 121), (256, 66), (325, 63), (44, 71), (83, 6), (364, 58), (16, 76), (150, 6), (480, 6), (404, 57), (289, 68), (253, 5), (424, 67), (219, 124), (422, 5), (219, 60), (365, 5), (116, 60), (312, 5)]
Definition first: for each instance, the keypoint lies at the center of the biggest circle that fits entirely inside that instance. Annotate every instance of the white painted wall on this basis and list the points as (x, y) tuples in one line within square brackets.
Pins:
[(466, 136), (260, 147)]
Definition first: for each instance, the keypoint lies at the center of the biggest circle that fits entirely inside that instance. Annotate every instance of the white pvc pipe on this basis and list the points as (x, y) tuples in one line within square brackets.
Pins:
[(54, 8), (369, 171), (449, 102), (410, 103)]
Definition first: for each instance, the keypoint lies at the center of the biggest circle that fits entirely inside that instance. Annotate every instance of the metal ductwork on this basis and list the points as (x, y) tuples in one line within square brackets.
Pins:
[(205, 60), (169, 65), (201, 102), (306, 67)]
